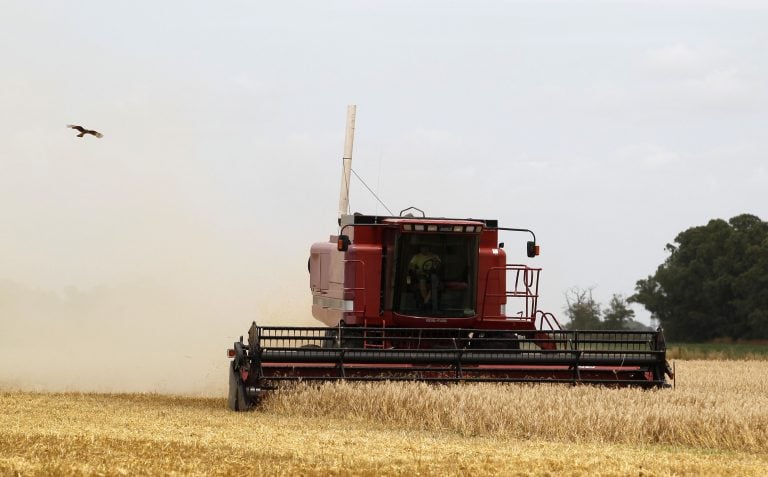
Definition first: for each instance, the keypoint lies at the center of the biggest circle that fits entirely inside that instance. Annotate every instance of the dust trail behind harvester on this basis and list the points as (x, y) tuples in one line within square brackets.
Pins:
[(167, 332), (140, 336), (129, 268)]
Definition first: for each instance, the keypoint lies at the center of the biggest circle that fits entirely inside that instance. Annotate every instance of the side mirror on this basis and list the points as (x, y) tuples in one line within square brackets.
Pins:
[(342, 244), (501, 245), (532, 249)]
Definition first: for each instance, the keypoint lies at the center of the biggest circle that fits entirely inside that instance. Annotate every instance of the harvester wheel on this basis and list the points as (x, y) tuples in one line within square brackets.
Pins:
[(233, 382), (237, 399)]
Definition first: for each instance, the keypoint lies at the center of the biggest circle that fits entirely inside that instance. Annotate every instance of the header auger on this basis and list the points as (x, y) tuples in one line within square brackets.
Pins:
[(432, 299)]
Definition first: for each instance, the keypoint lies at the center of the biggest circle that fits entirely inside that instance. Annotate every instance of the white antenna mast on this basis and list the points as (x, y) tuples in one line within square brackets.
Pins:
[(345, 176)]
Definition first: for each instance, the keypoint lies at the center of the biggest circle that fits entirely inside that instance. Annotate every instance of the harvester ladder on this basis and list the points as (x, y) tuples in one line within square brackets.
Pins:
[(359, 289), (377, 336)]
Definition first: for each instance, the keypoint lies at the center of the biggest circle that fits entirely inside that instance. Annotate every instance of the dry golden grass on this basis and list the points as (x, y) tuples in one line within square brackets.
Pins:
[(714, 423), (718, 351), (716, 405)]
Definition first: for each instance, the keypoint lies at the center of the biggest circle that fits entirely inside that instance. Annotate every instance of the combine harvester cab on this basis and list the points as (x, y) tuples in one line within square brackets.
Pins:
[(432, 299)]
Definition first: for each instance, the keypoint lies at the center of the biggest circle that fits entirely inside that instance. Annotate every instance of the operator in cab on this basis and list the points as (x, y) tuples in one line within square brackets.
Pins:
[(424, 266)]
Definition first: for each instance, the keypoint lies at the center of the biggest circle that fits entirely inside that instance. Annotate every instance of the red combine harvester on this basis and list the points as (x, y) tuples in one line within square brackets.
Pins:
[(432, 299)]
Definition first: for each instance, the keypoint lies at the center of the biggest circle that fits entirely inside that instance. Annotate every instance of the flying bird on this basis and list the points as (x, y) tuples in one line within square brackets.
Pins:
[(84, 131)]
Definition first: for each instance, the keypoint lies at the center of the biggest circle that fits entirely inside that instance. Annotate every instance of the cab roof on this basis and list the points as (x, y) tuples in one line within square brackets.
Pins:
[(360, 219)]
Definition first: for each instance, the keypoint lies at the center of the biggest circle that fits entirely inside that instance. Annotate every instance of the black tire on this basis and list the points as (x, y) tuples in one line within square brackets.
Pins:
[(233, 382), (243, 402), (237, 399)]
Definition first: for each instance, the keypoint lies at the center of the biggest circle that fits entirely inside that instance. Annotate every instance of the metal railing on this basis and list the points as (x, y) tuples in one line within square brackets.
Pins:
[(525, 289), (298, 353)]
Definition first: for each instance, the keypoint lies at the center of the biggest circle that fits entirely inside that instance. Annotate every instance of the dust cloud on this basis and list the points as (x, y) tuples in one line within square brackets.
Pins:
[(144, 336), (128, 268), (166, 332)]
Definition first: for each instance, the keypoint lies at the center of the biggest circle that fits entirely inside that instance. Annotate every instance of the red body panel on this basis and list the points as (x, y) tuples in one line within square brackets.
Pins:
[(351, 287)]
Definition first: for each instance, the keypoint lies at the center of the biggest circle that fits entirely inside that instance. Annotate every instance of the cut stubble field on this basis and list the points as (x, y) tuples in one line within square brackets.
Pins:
[(715, 422)]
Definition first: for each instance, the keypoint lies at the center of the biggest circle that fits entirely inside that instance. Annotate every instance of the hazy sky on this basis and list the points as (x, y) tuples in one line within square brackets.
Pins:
[(605, 126)]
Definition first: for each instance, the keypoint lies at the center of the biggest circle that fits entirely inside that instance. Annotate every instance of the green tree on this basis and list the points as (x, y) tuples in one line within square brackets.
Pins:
[(582, 310), (618, 315), (714, 284)]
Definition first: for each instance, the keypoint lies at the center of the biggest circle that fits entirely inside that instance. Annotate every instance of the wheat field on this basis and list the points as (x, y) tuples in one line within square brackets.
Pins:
[(715, 422)]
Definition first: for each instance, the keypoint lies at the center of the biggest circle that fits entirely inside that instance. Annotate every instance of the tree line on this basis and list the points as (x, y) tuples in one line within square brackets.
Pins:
[(585, 313), (713, 285)]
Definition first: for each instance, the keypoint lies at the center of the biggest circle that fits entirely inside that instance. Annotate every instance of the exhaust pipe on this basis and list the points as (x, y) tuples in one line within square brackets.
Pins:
[(347, 162)]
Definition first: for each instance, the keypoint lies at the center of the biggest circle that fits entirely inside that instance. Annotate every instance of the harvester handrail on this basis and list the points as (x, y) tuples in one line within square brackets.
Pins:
[(545, 317), (530, 292)]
